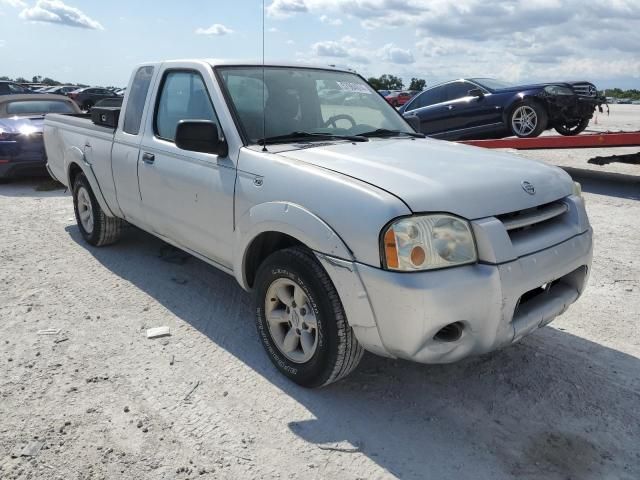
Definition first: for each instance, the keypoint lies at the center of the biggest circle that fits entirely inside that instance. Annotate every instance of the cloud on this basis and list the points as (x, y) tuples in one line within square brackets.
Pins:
[(334, 22), (393, 54), (55, 11), (329, 49), (13, 3), (286, 8), (216, 29), (345, 48), (2, 43)]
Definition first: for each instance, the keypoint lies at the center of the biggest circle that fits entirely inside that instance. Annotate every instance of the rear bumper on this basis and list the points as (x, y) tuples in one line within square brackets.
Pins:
[(23, 169), (489, 302), (22, 158)]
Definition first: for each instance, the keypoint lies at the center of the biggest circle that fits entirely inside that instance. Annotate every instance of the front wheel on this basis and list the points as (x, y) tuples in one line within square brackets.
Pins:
[(570, 129), (95, 226), (301, 321), (528, 119)]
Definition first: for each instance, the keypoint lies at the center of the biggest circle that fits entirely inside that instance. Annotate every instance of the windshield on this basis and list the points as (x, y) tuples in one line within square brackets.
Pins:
[(39, 106), (306, 100), (492, 83)]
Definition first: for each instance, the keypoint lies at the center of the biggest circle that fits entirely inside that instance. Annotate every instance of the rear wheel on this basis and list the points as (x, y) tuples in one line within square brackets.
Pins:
[(570, 129), (301, 321), (95, 226), (528, 119), (87, 106)]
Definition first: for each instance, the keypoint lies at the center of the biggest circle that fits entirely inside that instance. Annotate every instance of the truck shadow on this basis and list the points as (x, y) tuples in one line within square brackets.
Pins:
[(38, 187), (553, 406), (607, 183)]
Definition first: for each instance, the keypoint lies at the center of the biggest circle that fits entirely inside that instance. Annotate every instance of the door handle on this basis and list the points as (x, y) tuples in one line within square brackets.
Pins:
[(450, 107), (148, 158)]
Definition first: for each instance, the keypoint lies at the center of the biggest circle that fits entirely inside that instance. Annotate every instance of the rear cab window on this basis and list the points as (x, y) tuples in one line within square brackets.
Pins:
[(136, 100)]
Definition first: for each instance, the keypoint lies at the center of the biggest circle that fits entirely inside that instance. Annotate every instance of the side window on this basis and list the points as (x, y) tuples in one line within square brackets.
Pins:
[(430, 97), (4, 88), (183, 97), (136, 101), (457, 90)]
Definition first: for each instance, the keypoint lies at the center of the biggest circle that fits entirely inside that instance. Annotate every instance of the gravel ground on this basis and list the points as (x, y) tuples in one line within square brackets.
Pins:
[(99, 400)]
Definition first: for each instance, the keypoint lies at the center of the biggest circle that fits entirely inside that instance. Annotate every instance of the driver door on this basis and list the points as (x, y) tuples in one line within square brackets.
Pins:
[(187, 197)]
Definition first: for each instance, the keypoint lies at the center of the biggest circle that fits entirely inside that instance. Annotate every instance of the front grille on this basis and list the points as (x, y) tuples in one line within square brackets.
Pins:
[(530, 217), (585, 90)]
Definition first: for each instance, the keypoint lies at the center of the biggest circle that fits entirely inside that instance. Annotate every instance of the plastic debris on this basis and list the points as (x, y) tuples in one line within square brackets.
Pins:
[(49, 331), (158, 332)]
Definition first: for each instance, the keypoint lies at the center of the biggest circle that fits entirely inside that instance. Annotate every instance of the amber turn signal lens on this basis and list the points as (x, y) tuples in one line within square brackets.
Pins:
[(390, 249)]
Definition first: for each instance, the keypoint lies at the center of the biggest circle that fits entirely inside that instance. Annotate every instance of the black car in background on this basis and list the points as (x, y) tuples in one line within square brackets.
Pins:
[(12, 88), (60, 89), (88, 97), (486, 108), (21, 125)]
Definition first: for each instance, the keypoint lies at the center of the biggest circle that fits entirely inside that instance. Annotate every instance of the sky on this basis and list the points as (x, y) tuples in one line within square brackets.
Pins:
[(98, 42)]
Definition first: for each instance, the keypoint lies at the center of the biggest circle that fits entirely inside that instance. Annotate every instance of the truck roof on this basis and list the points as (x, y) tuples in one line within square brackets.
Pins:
[(217, 62)]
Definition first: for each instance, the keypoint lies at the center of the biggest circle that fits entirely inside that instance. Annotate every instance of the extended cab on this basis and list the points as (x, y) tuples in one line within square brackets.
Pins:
[(353, 231)]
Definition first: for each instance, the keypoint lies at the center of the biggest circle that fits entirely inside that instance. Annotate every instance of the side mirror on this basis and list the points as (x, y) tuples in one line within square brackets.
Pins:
[(414, 121), (200, 136), (476, 92)]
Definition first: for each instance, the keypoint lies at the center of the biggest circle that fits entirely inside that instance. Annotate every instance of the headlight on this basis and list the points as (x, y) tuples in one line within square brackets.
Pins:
[(427, 242), (577, 189), (558, 90)]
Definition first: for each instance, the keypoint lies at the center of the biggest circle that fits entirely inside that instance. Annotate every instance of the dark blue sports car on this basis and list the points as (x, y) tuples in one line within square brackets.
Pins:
[(21, 126), (477, 108)]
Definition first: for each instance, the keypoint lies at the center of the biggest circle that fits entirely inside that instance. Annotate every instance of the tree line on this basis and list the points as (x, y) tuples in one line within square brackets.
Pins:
[(631, 94), (40, 79), (391, 82)]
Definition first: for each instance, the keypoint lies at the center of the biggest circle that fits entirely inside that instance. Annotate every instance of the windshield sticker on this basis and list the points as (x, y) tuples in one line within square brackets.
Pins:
[(353, 87)]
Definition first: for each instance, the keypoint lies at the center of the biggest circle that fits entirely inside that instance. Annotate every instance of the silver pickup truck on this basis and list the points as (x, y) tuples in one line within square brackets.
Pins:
[(353, 231)]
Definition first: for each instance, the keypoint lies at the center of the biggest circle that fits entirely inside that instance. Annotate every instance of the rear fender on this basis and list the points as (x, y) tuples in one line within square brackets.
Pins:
[(75, 156)]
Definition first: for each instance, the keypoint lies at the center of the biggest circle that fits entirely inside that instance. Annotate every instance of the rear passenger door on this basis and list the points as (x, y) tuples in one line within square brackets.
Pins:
[(126, 146), (187, 196)]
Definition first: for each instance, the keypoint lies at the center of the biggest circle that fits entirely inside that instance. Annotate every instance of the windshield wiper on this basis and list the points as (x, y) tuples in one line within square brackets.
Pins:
[(293, 136), (384, 132)]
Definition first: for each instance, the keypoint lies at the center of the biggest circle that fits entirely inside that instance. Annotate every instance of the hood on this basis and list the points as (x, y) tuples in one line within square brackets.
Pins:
[(438, 176), (535, 86)]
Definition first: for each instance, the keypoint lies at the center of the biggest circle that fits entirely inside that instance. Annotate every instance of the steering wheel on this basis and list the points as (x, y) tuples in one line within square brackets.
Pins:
[(342, 116)]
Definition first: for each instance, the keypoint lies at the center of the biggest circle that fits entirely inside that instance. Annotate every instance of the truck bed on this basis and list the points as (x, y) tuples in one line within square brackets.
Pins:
[(75, 137)]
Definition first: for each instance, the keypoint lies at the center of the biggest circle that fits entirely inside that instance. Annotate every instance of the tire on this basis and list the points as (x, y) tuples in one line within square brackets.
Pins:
[(87, 106), (573, 129), (535, 125), (336, 351), (95, 226)]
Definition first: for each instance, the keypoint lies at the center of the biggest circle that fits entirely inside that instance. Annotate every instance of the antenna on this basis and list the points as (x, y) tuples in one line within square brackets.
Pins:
[(264, 107)]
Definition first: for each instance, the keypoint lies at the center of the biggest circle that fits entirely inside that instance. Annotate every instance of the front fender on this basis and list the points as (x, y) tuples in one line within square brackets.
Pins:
[(75, 156), (290, 219)]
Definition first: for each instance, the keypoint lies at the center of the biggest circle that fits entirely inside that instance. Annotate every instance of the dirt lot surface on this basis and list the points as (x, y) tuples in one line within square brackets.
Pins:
[(97, 399)]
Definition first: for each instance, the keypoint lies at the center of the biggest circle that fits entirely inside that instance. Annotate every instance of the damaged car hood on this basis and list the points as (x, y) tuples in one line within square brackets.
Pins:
[(438, 176)]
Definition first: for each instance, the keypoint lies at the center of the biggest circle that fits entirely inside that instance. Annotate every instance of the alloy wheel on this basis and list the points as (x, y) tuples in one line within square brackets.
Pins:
[(291, 319)]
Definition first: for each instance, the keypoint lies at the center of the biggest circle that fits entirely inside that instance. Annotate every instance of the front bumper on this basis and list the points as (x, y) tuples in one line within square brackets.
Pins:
[(496, 304)]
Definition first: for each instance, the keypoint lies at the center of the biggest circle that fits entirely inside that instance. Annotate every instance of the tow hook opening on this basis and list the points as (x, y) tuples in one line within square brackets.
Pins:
[(450, 333)]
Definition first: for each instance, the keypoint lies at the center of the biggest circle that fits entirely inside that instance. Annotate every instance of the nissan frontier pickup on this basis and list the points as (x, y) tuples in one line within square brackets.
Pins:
[(353, 231)]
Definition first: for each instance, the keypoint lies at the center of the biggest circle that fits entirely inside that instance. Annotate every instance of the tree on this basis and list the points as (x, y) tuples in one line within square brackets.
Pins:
[(36, 79), (50, 81), (21, 80), (417, 84), (386, 82)]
